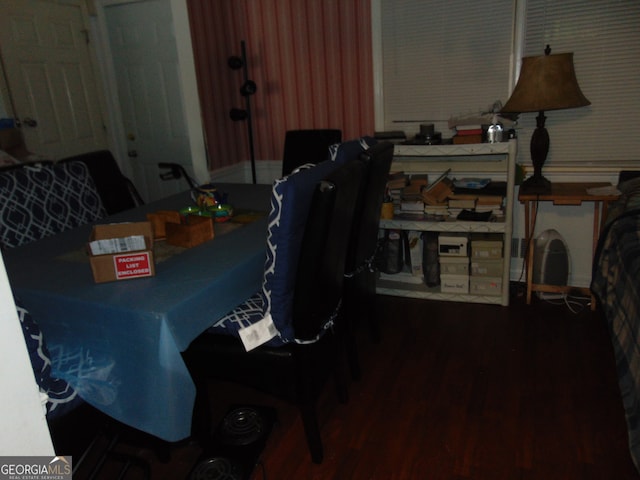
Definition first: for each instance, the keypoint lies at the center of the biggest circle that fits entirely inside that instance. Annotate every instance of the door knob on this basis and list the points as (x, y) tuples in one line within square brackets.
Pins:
[(30, 122), (132, 153)]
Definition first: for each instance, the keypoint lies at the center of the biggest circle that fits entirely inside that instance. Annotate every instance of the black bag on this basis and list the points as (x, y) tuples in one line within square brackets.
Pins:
[(430, 264), (393, 252)]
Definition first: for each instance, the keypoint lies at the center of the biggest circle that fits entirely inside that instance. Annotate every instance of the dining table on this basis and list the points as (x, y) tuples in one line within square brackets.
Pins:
[(119, 343)]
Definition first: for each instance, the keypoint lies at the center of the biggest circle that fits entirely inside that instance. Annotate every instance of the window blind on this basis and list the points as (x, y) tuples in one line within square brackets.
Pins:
[(605, 39), (442, 59)]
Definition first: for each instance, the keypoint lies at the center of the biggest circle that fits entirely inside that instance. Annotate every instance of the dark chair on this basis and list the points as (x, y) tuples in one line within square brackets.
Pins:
[(296, 370), (360, 281), (118, 193), (307, 146)]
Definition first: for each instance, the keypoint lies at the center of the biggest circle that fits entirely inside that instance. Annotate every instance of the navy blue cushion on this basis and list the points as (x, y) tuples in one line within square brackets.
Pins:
[(39, 201), (350, 150)]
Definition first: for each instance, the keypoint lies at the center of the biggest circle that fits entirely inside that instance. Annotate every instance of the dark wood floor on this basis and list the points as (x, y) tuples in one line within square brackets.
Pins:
[(456, 391)]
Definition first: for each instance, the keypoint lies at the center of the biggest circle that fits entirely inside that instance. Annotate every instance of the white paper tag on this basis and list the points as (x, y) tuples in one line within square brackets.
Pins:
[(117, 245), (260, 332)]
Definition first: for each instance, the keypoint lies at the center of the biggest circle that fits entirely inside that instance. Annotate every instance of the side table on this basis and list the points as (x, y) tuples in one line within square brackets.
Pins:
[(562, 194)]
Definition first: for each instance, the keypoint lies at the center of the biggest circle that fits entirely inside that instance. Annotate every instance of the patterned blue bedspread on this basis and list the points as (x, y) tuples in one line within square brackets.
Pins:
[(616, 283)]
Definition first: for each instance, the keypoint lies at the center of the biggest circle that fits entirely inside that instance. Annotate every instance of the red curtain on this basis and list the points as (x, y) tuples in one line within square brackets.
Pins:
[(311, 61)]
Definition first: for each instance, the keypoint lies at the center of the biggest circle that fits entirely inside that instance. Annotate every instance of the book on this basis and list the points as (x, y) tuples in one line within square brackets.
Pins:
[(471, 131), (465, 203), (437, 210), (439, 190), (490, 200), (422, 178), (397, 180), (471, 126), (412, 206), (413, 191), (465, 139), (462, 196)]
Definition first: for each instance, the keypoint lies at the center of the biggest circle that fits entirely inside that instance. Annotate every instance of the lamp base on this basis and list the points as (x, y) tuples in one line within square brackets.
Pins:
[(536, 184)]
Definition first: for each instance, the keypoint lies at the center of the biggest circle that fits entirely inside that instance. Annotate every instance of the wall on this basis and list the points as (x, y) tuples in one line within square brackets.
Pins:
[(22, 420), (311, 61)]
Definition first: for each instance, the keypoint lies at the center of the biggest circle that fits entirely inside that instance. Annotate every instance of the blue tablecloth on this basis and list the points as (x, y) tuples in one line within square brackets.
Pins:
[(128, 335)]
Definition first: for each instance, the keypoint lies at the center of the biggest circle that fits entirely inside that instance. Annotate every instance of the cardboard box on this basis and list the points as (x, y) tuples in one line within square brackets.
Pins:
[(159, 220), (454, 283), (453, 245), (486, 267), (123, 265), (196, 230), (486, 249), (486, 285), (454, 265)]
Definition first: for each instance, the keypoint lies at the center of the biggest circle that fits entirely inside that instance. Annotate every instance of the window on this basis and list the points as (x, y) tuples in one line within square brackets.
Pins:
[(449, 58), (443, 59), (605, 40)]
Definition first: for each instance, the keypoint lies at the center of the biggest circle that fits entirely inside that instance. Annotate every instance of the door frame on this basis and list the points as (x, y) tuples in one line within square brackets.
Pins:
[(188, 84)]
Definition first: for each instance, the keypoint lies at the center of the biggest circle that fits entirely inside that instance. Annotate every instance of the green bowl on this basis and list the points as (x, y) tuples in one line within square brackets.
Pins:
[(221, 212), (193, 210)]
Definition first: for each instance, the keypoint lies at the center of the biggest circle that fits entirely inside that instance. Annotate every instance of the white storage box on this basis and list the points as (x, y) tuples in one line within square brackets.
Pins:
[(452, 245), (454, 283), (486, 268), (454, 265), (485, 285), (486, 249)]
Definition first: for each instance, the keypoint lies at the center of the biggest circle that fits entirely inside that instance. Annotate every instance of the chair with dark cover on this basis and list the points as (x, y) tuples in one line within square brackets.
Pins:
[(38, 200), (307, 146), (117, 191), (360, 281), (294, 366)]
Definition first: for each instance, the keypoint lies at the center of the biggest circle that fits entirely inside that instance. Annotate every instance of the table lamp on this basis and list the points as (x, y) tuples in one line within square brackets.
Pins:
[(546, 82)]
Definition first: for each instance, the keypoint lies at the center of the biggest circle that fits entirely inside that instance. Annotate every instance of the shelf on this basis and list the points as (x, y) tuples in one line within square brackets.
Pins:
[(451, 150), (443, 226), (402, 289), (473, 158)]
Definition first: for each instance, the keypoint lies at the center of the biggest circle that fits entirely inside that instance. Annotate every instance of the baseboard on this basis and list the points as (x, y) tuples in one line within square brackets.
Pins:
[(266, 172)]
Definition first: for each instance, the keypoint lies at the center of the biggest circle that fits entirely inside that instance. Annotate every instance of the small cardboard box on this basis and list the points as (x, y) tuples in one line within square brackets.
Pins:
[(486, 249), (159, 220), (485, 285), (453, 245), (454, 283), (110, 267), (454, 265), (195, 231), (481, 267)]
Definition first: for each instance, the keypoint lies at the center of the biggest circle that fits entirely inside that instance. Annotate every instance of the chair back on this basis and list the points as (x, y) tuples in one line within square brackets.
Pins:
[(364, 235), (116, 190), (321, 266), (307, 146), (40, 200)]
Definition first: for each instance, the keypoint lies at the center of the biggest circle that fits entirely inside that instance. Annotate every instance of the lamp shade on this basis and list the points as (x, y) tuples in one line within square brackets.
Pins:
[(546, 82)]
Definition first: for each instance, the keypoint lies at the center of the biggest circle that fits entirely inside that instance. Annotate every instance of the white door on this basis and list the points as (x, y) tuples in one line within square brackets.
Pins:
[(50, 76), (145, 62)]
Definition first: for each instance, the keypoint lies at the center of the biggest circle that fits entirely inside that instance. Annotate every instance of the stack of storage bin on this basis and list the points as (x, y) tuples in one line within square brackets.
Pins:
[(486, 266), (453, 256)]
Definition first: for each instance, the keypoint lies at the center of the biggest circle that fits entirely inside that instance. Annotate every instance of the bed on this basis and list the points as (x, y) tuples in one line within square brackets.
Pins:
[(616, 284)]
